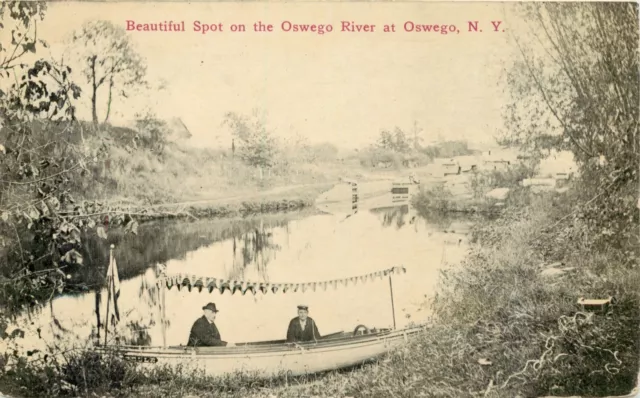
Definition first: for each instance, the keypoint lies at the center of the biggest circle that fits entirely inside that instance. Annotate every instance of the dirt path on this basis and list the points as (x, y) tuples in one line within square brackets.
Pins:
[(247, 197)]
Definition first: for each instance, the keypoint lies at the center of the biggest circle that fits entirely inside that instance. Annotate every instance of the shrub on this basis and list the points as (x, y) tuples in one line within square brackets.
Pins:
[(432, 198)]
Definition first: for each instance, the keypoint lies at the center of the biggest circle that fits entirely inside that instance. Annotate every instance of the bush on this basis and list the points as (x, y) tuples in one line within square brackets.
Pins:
[(375, 156), (512, 177), (447, 149), (432, 198)]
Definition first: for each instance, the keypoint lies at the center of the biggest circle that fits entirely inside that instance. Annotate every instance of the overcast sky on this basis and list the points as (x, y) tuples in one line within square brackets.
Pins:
[(338, 87)]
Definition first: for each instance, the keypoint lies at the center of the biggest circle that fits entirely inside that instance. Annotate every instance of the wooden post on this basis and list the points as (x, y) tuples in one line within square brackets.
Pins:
[(393, 310)]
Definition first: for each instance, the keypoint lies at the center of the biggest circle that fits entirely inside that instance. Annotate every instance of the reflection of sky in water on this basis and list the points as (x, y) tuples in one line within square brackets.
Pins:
[(316, 248)]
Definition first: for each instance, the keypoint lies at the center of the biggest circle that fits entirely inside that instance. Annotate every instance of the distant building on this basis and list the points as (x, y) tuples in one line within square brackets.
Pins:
[(467, 163), (447, 166), (178, 131)]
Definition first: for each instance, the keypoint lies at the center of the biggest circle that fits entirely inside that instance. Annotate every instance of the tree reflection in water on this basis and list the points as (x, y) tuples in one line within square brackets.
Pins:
[(401, 215), (142, 318), (257, 250), (252, 244), (159, 242), (396, 215)]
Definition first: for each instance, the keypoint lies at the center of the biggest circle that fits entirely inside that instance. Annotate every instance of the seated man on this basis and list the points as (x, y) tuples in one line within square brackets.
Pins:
[(204, 332), (302, 328)]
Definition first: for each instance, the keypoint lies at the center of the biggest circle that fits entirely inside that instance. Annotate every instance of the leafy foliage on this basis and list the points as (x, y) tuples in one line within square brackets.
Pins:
[(256, 144), (152, 132), (396, 141), (447, 149), (44, 162), (584, 82)]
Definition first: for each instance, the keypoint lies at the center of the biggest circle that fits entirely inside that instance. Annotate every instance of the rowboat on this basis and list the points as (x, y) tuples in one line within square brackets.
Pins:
[(274, 358), (262, 358)]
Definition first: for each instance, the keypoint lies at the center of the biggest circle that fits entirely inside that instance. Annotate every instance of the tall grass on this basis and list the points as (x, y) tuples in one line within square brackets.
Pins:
[(128, 169), (180, 174)]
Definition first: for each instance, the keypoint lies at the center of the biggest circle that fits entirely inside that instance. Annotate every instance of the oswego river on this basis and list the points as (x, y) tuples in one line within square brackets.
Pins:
[(299, 247)]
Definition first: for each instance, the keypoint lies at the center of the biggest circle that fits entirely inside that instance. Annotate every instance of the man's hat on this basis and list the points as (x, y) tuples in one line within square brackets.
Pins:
[(210, 306), (303, 307)]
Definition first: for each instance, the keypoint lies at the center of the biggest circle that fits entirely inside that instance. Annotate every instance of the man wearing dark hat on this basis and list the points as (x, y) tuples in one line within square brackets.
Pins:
[(204, 332), (302, 328)]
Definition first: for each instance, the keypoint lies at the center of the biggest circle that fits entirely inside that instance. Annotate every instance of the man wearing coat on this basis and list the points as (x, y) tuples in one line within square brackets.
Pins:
[(302, 328), (204, 332)]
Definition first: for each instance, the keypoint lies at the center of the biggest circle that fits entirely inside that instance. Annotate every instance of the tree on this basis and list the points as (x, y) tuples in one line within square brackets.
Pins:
[(109, 60), (578, 75), (385, 141), (417, 138), (44, 162), (401, 143), (36, 104), (256, 145), (577, 79), (152, 131), (396, 141)]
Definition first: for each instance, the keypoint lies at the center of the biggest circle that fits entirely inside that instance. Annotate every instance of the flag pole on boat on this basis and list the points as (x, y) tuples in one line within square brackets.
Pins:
[(113, 291), (393, 310)]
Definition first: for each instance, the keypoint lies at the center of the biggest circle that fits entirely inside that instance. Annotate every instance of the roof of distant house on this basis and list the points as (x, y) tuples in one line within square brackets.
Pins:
[(178, 131)]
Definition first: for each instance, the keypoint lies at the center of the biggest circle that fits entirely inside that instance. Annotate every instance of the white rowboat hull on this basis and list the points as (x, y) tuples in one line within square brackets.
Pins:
[(273, 359)]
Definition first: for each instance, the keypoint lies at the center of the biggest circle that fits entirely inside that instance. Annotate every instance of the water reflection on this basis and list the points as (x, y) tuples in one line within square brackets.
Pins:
[(395, 215), (286, 248), (158, 242), (402, 215), (256, 248)]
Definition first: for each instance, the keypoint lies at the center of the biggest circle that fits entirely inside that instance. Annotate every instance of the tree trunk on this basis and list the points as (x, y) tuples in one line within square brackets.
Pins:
[(94, 93), (106, 118)]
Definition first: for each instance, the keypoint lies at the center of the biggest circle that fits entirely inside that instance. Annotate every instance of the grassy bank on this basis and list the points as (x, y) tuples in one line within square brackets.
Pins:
[(113, 165), (181, 174)]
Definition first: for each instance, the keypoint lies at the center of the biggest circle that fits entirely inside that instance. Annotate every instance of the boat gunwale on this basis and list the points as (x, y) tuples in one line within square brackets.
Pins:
[(281, 349)]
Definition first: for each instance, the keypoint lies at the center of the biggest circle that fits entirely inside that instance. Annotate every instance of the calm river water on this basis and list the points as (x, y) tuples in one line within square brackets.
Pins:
[(294, 247)]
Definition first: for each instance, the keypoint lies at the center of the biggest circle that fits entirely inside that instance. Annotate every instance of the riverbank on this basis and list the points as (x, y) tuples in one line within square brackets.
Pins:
[(285, 198), (506, 323), (241, 201)]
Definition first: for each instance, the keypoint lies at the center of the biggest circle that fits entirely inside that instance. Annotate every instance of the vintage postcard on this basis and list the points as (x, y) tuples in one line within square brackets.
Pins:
[(319, 199)]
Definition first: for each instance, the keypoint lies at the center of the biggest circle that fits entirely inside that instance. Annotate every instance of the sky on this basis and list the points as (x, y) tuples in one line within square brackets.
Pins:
[(339, 87)]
